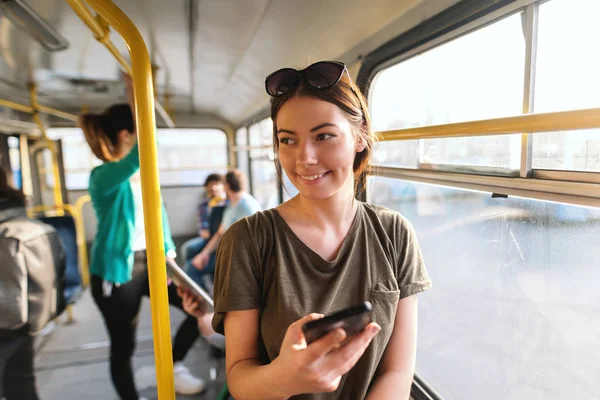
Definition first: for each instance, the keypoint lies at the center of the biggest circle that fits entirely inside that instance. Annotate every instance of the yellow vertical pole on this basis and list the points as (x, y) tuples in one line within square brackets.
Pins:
[(81, 242), (57, 190), (146, 130)]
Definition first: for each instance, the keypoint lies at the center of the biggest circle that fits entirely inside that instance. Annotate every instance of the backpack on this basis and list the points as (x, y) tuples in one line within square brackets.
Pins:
[(32, 270)]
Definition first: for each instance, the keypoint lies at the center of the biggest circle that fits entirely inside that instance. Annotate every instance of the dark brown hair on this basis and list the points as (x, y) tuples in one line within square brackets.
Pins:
[(347, 96), (7, 192), (213, 178), (102, 130), (236, 180)]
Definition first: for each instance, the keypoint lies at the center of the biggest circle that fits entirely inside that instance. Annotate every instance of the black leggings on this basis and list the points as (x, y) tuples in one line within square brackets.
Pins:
[(17, 380), (120, 312)]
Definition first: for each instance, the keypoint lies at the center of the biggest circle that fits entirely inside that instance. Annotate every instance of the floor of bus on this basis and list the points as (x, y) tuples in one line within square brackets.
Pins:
[(72, 360)]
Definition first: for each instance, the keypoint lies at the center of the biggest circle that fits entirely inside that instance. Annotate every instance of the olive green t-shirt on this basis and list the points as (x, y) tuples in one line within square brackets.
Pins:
[(263, 265)]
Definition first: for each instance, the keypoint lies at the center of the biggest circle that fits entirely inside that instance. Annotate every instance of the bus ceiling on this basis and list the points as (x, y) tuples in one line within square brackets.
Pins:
[(210, 57)]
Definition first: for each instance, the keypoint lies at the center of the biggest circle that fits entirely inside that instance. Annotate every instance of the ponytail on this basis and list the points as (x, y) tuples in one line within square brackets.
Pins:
[(97, 139), (101, 131)]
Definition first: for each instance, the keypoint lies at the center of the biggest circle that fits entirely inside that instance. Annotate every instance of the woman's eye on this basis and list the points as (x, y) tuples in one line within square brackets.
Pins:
[(324, 136), (286, 141)]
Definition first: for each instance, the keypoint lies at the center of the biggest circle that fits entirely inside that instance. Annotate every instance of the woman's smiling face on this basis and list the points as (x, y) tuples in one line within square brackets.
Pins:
[(317, 146)]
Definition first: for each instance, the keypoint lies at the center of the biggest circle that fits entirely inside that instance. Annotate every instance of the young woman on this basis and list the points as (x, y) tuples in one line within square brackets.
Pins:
[(118, 258), (319, 252)]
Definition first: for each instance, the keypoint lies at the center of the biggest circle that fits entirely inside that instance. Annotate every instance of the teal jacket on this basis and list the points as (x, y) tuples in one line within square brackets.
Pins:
[(112, 198)]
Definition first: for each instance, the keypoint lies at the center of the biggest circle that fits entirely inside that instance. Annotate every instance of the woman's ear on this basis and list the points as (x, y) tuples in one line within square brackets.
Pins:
[(361, 144)]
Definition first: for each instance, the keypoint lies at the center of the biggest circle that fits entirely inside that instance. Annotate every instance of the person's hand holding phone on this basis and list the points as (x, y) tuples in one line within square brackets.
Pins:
[(319, 367), (191, 304)]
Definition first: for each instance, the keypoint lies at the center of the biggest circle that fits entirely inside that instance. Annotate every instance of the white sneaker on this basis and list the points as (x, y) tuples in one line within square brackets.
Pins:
[(185, 382), (145, 377)]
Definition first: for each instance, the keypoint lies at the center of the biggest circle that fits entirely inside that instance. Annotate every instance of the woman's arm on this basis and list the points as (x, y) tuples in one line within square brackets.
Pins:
[(398, 364), (298, 369), (111, 174), (247, 378)]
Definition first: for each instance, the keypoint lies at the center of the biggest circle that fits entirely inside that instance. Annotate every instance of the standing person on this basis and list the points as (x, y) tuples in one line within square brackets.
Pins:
[(32, 266), (241, 204), (319, 252), (118, 257)]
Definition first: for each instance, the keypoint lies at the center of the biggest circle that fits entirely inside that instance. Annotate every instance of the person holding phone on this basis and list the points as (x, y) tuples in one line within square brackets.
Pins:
[(320, 252), (119, 269)]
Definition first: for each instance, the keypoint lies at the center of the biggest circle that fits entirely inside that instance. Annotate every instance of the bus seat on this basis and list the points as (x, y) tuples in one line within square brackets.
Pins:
[(65, 226)]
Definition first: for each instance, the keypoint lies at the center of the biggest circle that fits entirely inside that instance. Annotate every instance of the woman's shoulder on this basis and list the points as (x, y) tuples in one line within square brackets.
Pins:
[(391, 222)]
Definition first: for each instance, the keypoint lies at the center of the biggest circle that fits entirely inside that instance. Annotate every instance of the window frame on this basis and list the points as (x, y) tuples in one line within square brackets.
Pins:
[(162, 184), (581, 188)]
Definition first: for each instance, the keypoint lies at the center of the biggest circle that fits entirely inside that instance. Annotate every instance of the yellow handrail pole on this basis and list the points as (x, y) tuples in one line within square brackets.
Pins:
[(28, 109), (16, 106), (146, 126), (100, 29), (58, 198), (530, 123), (81, 242)]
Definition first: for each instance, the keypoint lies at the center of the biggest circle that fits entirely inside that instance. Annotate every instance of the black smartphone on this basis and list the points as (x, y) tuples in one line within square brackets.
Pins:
[(352, 320)]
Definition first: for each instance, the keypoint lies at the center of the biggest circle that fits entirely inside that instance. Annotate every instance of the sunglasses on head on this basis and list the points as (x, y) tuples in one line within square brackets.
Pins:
[(320, 75)]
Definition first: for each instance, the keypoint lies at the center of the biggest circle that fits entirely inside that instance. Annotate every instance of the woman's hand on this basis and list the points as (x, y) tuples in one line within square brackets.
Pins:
[(201, 260), (319, 367), (191, 304)]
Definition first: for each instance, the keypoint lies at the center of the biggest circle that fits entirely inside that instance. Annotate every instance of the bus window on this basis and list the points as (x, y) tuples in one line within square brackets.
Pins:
[(14, 156), (178, 154), (477, 76), (265, 183), (515, 301), (187, 156), (78, 159), (567, 78), (241, 139)]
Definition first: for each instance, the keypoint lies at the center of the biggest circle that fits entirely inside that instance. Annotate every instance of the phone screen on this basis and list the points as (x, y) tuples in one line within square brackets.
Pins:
[(352, 320)]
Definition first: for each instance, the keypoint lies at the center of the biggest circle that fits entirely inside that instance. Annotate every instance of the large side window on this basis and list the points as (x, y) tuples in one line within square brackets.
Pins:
[(568, 78), (513, 303), (477, 76)]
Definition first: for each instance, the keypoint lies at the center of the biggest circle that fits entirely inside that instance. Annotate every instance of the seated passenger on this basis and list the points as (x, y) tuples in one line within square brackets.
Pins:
[(241, 204), (317, 253), (214, 197), (31, 250)]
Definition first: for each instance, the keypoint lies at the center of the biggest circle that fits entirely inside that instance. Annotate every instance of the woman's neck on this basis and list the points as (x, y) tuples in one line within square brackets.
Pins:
[(333, 211)]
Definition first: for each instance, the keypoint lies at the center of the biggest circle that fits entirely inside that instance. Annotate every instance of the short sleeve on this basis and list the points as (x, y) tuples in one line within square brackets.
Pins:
[(237, 274), (411, 275), (228, 217)]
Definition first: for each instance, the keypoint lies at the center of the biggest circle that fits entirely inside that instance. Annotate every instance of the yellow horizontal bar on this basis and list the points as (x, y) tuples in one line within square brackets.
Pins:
[(29, 109), (527, 123), (146, 130), (57, 113), (16, 106)]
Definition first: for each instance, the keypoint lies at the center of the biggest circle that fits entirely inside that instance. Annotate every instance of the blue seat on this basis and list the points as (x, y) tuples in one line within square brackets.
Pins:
[(65, 226)]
